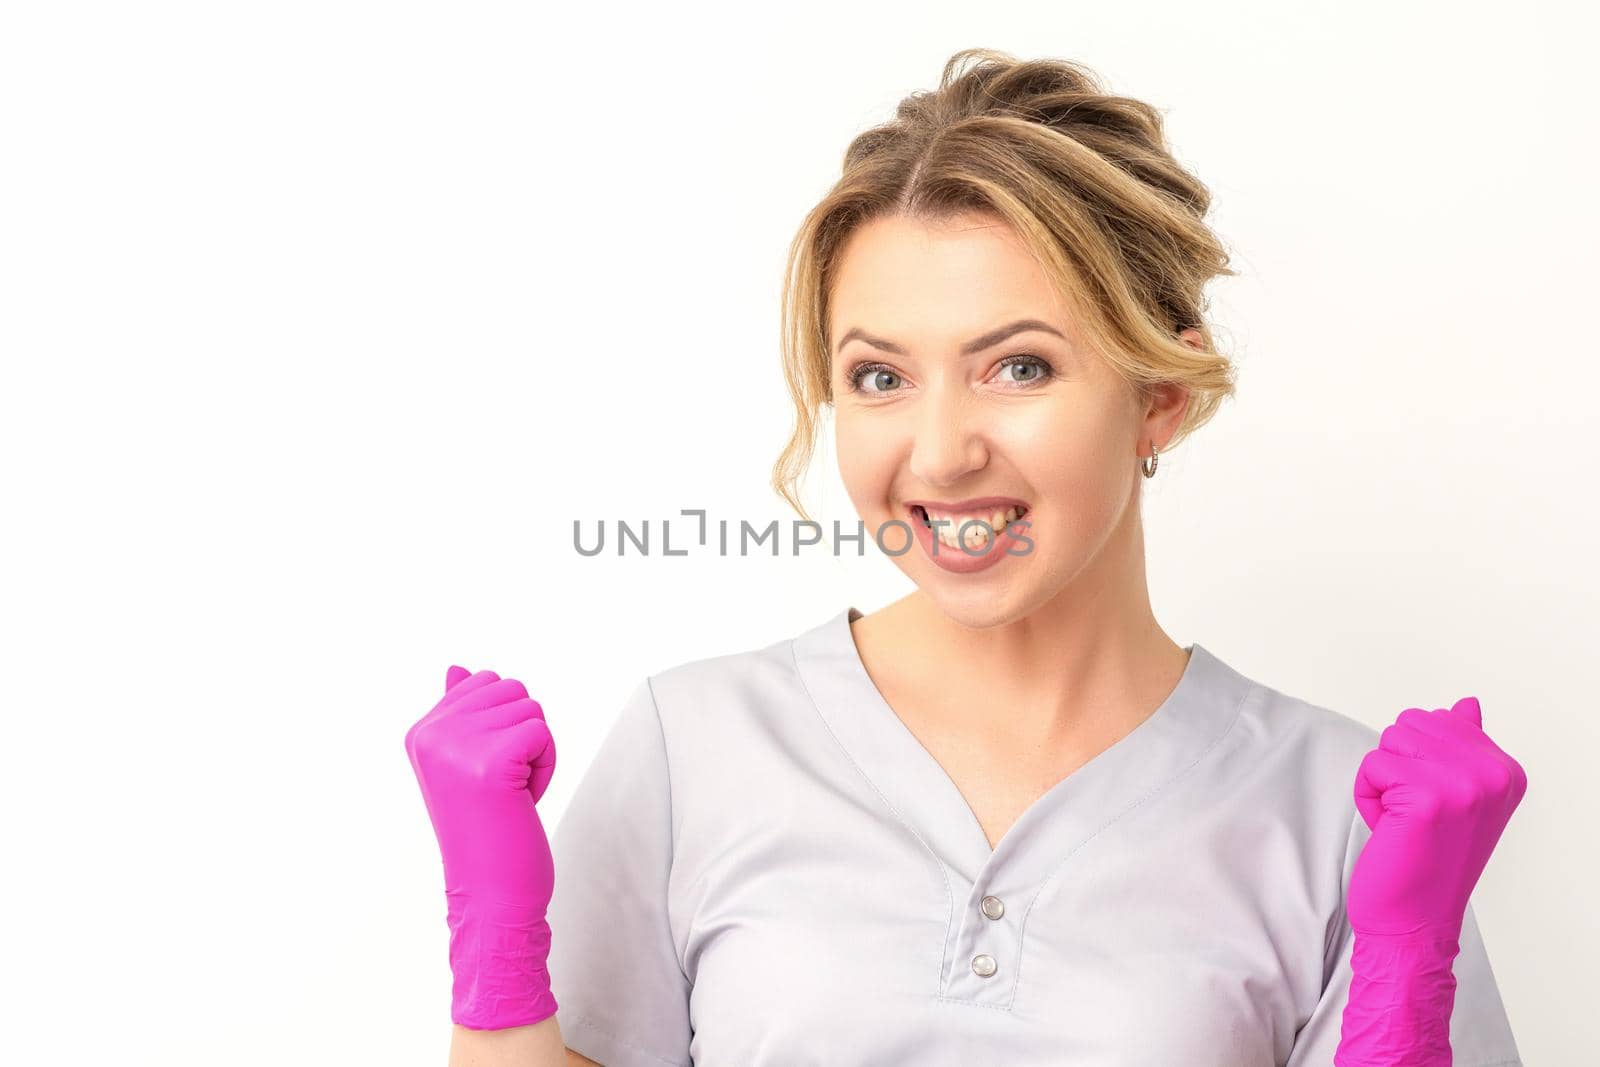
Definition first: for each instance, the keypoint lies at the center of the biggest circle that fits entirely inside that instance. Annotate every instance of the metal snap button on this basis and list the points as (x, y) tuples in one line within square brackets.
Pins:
[(993, 908), (983, 965)]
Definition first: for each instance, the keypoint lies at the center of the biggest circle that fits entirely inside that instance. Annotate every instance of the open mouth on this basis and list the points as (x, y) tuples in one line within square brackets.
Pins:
[(976, 529)]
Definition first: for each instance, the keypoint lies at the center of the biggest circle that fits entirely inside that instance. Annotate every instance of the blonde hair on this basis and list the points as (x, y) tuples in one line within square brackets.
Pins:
[(1087, 181)]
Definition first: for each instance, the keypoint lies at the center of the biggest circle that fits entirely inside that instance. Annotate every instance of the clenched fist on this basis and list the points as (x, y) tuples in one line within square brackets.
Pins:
[(1437, 793), (483, 757)]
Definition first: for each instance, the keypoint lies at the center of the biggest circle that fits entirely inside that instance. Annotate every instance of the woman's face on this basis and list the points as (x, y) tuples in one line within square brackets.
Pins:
[(938, 404)]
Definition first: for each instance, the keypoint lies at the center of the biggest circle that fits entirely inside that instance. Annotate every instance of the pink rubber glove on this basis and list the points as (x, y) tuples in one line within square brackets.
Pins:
[(483, 757), (1437, 793)]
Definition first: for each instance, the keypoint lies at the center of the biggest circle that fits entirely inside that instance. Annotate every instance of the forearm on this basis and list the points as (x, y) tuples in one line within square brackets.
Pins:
[(1402, 991), (538, 1045)]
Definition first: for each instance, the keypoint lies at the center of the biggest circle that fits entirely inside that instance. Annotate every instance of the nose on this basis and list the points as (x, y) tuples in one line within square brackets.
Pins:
[(949, 442)]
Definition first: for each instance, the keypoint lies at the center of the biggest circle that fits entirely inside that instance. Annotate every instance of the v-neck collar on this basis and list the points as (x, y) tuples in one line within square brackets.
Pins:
[(1172, 739)]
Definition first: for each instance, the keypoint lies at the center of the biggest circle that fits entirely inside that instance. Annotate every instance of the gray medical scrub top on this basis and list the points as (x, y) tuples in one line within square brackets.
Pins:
[(764, 866)]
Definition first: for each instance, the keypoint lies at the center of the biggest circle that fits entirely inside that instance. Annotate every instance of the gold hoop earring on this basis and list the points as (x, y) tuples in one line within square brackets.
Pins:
[(1155, 458)]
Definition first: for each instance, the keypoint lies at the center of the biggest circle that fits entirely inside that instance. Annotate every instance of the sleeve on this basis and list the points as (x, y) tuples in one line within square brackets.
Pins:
[(1480, 1032), (622, 998)]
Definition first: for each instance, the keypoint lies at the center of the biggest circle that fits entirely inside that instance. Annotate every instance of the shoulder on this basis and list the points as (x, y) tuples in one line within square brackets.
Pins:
[(1298, 758), (717, 691), (1325, 734), (1289, 771), (1302, 734)]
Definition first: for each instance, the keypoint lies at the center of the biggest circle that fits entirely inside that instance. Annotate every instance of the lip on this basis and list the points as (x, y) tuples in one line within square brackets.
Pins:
[(956, 560), (977, 503)]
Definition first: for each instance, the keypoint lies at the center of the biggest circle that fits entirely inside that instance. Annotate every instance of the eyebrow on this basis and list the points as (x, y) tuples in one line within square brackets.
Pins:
[(977, 344)]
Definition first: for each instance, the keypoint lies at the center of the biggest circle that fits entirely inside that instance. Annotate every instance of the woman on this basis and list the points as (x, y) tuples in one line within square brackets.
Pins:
[(1006, 819)]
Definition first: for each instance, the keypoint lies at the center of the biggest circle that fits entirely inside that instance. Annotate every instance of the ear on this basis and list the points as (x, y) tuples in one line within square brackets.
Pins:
[(1168, 402)]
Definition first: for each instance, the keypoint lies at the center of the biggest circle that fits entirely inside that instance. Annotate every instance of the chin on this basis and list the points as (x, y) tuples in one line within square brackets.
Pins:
[(980, 609)]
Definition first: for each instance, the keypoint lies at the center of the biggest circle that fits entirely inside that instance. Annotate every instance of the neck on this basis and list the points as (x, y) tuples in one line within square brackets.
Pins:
[(1081, 669)]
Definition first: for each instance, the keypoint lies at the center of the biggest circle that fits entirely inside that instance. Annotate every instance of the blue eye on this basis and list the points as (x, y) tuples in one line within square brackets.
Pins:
[(876, 377), (883, 379), (1038, 370)]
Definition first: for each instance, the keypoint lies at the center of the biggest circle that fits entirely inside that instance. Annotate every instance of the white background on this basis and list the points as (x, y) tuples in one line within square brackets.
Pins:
[(322, 322)]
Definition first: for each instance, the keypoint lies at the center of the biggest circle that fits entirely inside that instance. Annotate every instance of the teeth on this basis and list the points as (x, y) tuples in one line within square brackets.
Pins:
[(976, 536)]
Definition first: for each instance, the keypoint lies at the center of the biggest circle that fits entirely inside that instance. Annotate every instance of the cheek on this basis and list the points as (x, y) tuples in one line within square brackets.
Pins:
[(1057, 448), (1071, 462), (867, 458)]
